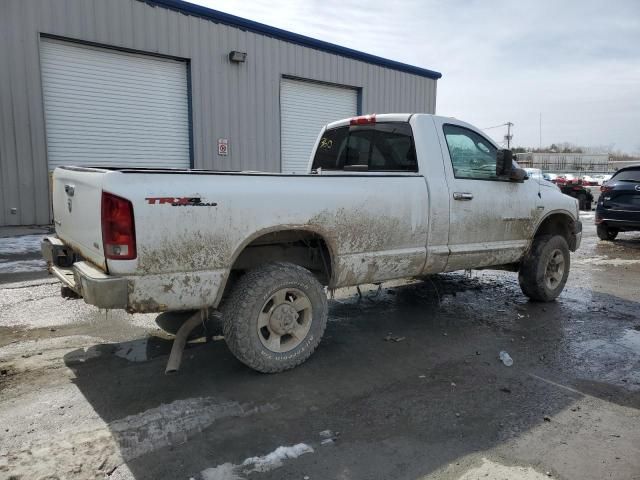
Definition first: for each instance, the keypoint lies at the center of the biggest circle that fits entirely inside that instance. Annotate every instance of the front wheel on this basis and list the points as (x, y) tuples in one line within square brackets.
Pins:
[(275, 317), (606, 233), (544, 271)]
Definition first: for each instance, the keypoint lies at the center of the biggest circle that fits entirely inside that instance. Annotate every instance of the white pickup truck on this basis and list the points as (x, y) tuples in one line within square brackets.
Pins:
[(384, 197)]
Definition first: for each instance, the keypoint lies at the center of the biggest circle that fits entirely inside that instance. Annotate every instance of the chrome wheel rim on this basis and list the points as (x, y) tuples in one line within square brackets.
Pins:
[(284, 320), (555, 270)]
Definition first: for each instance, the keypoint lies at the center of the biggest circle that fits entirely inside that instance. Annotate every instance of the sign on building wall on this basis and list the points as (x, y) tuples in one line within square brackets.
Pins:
[(223, 146)]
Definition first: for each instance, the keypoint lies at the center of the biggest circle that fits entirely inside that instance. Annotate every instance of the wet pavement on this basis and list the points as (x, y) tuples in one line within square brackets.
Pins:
[(407, 384)]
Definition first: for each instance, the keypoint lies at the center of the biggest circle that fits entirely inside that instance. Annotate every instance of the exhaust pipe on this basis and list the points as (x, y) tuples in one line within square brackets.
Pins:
[(179, 342)]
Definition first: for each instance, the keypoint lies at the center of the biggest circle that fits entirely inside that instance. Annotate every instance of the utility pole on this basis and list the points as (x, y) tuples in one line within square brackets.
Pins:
[(508, 136)]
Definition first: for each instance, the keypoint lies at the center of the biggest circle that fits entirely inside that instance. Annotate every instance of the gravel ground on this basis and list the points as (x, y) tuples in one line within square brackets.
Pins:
[(83, 394)]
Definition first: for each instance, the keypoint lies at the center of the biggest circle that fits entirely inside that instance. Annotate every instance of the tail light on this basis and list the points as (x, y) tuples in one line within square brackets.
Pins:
[(118, 228), (605, 188), (598, 219), (363, 120)]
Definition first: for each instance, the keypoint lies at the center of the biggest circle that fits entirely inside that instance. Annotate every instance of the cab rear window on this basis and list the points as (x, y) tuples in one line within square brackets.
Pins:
[(377, 147)]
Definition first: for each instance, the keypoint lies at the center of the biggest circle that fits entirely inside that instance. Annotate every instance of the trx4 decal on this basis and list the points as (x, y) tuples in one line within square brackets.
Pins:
[(179, 201)]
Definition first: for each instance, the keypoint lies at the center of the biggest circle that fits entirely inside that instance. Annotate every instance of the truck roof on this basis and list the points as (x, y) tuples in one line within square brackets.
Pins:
[(382, 117)]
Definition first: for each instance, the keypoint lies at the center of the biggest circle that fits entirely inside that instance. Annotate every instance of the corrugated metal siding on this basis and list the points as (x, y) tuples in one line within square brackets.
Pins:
[(238, 102)]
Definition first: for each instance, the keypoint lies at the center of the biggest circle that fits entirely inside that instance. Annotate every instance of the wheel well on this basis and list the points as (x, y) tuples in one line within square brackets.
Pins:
[(301, 247), (559, 224)]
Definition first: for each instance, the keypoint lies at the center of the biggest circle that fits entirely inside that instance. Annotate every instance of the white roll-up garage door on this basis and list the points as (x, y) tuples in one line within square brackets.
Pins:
[(108, 108), (304, 108)]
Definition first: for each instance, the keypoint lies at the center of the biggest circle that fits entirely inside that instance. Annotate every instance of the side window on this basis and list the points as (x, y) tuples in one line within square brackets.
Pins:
[(393, 148), (377, 147), (472, 155)]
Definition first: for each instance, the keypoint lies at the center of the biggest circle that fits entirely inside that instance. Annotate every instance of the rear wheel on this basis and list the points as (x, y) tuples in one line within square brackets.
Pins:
[(275, 317), (606, 233), (544, 271)]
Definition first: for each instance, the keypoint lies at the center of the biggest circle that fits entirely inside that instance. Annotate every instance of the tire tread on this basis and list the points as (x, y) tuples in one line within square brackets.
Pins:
[(528, 276), (237, 307)]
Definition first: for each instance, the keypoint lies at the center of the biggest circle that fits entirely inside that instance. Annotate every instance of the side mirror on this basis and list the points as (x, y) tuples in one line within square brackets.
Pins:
[(504, 163)]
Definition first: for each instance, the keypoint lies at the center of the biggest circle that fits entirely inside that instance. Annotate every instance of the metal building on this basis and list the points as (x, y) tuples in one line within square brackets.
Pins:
[(164, 83)]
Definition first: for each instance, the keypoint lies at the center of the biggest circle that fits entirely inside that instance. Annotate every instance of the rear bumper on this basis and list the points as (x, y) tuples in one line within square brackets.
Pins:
[(135, 293), (620, 219), (620, 224), (96, 287)]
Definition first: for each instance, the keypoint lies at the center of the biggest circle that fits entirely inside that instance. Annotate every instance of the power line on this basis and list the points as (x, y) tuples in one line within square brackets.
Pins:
[(495, 126), (508, 136)]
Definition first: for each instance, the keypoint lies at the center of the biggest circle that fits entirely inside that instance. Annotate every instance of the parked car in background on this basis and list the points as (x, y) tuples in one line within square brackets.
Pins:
[(536, 175), (618, 208), (550, 177), (601, 179), (575, 188), (565, 178)]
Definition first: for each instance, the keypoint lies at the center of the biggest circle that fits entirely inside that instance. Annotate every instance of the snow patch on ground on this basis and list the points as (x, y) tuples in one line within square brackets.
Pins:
[(21, 266), (104, 447), (20, 245), (493, 470), (172, 423), (606, 261), (226, 471), (264, 463)]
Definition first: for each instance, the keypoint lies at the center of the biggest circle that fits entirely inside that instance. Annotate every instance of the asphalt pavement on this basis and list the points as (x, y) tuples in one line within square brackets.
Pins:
[(406, 384)]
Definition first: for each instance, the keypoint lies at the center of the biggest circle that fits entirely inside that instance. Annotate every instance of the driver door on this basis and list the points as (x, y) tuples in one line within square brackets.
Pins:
[(491, 218)]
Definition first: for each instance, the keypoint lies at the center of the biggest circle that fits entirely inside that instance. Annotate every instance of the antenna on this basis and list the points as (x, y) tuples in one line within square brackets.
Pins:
[(540, 131)]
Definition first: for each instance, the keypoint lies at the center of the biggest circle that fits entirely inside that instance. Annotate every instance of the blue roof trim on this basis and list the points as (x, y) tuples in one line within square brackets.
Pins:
[(261, 28)]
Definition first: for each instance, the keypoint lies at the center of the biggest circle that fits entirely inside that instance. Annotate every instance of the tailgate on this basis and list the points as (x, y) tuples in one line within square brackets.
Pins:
[(77, 197), (625, 197)]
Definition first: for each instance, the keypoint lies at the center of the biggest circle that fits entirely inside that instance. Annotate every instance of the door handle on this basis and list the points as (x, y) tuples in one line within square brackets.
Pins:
[(462, 196), (69, 189)]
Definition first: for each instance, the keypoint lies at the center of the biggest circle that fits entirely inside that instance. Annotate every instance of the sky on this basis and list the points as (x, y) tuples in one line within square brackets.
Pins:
[(576, 64)]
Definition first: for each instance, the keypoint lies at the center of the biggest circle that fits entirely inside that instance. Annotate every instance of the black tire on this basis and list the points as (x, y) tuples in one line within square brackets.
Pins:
[(249, 300), (537, 277), (606, 233)]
